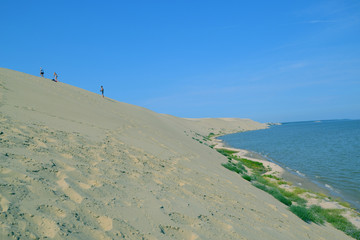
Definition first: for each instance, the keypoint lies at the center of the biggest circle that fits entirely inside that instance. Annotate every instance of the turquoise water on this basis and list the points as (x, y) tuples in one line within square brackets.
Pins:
[(325, 152)]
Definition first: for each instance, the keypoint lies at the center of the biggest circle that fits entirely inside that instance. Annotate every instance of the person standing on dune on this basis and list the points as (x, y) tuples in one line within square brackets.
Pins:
[(102, 91), (41, 72), (55, 76)]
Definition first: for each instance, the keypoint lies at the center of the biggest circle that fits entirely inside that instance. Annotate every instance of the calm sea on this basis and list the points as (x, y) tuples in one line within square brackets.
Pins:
[(325, 152)]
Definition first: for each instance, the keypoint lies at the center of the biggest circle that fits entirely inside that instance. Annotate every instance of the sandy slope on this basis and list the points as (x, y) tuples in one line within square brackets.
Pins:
[(76, 166)]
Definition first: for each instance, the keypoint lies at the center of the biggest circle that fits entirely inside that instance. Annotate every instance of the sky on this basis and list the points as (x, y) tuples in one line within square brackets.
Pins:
[(270, 61)]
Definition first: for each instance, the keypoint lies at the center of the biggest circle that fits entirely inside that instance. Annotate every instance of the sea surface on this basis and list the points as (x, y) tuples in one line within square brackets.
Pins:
[(325, 152)]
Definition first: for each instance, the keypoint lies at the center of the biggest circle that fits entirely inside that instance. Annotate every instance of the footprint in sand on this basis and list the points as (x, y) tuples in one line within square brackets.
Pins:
[(182, 183), (15, 130), (51, 140), (105, 223), (178, 233), (66, 155), (71, 193), (273, 207), (4, 204), (157, 181), (94, 183), (84, 185), (183, 219), (47, 227), (51, 210), (40, 143)]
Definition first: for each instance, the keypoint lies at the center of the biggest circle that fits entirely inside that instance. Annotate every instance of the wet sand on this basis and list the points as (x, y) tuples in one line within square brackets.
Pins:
[(292, 177)]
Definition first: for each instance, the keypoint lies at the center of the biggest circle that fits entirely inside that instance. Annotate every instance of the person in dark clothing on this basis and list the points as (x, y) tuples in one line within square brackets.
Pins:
[(102, 91), (41, 72)]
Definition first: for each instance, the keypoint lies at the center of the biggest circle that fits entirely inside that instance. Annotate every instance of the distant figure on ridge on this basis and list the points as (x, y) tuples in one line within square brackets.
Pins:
[(102, 91), (55, 77), (41, 72)]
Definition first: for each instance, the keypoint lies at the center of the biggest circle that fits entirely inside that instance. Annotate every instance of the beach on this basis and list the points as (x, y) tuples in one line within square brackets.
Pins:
[(276, 169), (314, 194), (75, 165)]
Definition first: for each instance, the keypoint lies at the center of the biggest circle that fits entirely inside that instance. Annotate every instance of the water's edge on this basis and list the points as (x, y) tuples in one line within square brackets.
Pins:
[(296, 142), (287, 175)]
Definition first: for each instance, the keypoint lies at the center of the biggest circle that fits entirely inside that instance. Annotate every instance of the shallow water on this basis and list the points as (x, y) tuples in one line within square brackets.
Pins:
[(325, 152)]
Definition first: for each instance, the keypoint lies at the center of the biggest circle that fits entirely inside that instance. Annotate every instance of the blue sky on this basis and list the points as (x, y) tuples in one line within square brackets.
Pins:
[(271, 61)]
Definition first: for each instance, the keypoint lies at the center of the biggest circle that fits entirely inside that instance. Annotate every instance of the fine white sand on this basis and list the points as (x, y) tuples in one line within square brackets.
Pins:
[(74, 165)]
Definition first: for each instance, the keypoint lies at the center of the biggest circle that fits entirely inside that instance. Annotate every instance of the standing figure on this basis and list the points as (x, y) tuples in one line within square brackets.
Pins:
[(55, 77), (102, 91), (41, 72)]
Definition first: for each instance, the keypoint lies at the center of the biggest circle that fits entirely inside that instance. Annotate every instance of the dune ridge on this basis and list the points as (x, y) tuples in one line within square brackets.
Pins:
[(77, 166)]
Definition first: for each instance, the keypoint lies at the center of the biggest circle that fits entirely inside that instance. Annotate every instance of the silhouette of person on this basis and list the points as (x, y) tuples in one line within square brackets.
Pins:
[(41, 72), (102, 91)]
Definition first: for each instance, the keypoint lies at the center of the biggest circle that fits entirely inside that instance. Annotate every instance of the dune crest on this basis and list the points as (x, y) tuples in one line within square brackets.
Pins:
[(75, 165)]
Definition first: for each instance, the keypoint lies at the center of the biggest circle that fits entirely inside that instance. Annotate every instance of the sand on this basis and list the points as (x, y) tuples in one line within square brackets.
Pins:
[(314, 195), (74, 165)]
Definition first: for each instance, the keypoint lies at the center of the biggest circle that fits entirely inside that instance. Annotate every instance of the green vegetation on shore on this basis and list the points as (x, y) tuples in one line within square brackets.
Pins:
[(255, 173), (297, 204), (235, 167)]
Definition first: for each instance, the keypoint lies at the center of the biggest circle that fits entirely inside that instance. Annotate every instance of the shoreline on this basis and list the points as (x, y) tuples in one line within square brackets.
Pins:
[(277, 170), (328, 202), (79, 166)]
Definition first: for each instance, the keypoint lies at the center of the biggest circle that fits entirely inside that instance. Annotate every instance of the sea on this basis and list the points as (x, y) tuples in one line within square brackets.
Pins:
[(327, 153)]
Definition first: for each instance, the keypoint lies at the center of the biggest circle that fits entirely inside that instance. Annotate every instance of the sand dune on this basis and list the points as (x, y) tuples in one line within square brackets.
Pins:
[(77, 166)]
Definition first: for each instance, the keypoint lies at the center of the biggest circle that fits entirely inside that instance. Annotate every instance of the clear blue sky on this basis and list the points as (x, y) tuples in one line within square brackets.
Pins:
[(264, 60)]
